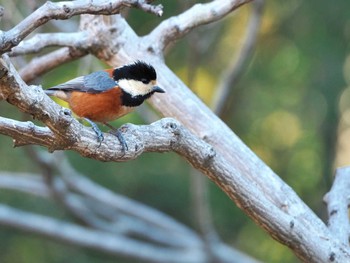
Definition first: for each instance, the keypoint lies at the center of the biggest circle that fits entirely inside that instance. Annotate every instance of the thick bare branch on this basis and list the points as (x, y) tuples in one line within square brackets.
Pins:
[(25, 132), (65, 10), (200, 14), (338, 201)]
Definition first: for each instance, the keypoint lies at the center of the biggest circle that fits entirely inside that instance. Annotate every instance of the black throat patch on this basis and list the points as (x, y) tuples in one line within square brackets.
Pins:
[(133, 101)]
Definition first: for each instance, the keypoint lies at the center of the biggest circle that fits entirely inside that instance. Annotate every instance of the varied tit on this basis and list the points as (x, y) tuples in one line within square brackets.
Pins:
[(107, 95)]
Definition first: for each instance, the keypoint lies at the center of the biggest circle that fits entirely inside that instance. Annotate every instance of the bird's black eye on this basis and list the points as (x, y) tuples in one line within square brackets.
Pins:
[(145, 81)]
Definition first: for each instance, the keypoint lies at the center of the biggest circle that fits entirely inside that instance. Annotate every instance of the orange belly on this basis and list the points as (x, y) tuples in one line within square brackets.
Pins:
[(100, 107)]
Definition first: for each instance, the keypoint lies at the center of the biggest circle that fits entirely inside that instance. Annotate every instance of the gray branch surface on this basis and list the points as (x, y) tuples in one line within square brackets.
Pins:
[(338, 202), (197, 134)]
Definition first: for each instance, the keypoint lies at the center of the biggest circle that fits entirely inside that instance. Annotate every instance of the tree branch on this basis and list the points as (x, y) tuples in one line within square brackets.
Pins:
[(32, 100), (24, 182), (102, 209), (65, 10), (200, 14), (94, 239), (125, 216), (41, 41), (24, 133), (133, 220), (41, 65), (338, 201), (237, 65)]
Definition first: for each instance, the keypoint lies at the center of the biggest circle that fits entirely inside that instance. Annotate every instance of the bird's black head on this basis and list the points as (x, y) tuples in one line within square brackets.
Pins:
[(138, 82), (139, 71)]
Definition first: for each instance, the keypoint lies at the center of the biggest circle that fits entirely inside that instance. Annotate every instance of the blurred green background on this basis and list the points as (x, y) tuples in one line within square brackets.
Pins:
[(290, 106)]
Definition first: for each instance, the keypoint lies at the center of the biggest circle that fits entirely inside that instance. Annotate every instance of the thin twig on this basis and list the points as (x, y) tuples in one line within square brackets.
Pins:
[(235, 70)]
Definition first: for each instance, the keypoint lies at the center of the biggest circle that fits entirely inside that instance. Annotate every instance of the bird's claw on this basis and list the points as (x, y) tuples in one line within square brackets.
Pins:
[(121, 139), (100, 136), (97, 130)]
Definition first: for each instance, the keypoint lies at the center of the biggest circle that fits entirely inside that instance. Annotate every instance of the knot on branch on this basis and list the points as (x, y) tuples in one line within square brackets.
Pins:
[(66, 118), (66, 9), (211, 153), (15, 41), (172, 125), (3, 72), (156, 10), (187, 144)]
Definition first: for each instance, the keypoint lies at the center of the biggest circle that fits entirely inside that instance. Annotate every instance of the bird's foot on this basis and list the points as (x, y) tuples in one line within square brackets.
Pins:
[(119, 135), (97, 130), (99, 134)]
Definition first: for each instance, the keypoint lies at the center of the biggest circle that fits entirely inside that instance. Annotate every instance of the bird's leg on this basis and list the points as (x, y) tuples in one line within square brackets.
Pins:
[(119, 135), (96, 129)]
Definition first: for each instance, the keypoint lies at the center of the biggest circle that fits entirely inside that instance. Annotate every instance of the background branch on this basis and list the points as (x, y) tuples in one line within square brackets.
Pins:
[(338, 201), (200, 14), (125, 218), (224, 94), (85, 237), (41, 65), (41, 41)]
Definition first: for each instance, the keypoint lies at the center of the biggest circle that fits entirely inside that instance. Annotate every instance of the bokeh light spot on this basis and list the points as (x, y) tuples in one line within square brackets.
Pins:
[(281, 130)]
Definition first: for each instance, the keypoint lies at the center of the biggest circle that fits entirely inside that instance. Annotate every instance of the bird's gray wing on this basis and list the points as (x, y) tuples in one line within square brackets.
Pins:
[(95, 82)]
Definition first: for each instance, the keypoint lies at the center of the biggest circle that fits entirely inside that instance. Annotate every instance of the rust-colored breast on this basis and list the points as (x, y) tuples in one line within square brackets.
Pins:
[(100, 107)]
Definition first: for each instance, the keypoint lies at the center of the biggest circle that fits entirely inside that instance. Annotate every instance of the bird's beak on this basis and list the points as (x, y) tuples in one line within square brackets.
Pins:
[(158, 89)]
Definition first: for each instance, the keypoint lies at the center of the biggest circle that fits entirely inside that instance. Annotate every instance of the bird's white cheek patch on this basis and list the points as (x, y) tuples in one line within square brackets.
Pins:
[(135, 88)]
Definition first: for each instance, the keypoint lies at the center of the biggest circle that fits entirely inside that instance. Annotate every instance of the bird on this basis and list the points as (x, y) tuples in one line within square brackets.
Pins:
[(109, 94)]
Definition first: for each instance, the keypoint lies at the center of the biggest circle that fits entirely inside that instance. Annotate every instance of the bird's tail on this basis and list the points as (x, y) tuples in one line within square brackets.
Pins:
[(50, 92), (58, 93)]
